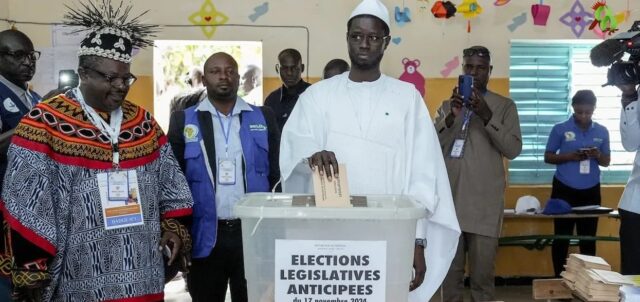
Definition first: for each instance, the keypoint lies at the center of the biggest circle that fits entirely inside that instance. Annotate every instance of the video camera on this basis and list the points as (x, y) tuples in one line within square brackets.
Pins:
[(611, 51)]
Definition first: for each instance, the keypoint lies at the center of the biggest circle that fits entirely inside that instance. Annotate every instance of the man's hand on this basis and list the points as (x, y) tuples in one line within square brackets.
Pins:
[(326, 162), (629, 93), (455, 107), (593, 153), (576, 156), (419, 266), (479, 106), (171, 240)]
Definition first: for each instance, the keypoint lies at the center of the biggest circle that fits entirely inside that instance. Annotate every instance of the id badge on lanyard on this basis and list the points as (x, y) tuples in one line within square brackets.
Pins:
[(120, 199), (457, 148), (226, 166), (585, 166), (226, 171), (117, 185)]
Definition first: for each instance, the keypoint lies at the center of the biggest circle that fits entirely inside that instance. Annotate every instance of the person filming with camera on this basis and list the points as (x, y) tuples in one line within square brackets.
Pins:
[(477, 128), (624, 74), (629, 206)]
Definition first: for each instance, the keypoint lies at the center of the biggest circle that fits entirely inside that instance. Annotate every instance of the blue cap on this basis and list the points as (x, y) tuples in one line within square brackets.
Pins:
[(556, 206)]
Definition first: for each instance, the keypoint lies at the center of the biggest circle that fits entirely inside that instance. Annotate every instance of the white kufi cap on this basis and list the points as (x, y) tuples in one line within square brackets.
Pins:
[(373, 8)]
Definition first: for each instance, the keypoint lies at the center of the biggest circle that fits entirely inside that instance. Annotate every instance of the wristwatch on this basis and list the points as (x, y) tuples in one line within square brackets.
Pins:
[(421, 242)]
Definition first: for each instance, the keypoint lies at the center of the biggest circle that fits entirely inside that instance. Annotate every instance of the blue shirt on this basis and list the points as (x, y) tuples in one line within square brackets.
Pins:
[(227, 195), (567, 137)]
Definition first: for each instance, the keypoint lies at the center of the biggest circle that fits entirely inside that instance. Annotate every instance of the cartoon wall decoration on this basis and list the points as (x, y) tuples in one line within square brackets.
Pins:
[(469, 9), (259, 11), (422, 5), (396, 40), (402, 16), (540, 13), (603, 17), (501, 2), (517, 22), (208, 17), (412, 75), (450, 66), (598, 32), (577, 19), (443, 9)]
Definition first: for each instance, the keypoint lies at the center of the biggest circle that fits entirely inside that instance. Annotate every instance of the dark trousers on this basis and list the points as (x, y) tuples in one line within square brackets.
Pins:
[(564, 226), (629, 242), (210, 276)]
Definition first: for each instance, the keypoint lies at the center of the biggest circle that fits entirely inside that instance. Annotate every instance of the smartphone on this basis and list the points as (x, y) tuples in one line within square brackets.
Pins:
[(585, 150), (465, 87)]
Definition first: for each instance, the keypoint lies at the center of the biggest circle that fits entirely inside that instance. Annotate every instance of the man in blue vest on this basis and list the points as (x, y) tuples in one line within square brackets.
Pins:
[(227, 148), (17, 67)]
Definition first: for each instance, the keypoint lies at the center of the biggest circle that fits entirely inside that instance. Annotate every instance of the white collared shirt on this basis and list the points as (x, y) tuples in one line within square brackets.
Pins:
[(630, 133), (227, 195)]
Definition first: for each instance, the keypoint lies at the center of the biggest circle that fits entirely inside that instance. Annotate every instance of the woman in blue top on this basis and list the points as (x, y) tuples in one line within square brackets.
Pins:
[(578, 147)]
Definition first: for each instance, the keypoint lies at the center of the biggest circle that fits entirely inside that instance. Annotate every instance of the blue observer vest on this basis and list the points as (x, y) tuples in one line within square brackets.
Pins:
[(11, 112), (255, 151), (11, 107)]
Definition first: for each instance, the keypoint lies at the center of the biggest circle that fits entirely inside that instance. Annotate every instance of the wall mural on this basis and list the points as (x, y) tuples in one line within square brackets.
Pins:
[(501, 2), (402, 16), (469, 9), (207, 18), (577, 18), (540, 13), (259, 11), (450, 66), (412, 75), (517, 22)]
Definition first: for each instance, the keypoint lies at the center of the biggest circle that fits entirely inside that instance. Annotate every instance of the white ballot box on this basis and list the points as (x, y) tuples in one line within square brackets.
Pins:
[(300, 253)]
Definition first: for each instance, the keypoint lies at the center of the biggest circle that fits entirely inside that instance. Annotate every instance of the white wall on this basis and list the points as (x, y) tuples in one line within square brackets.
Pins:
[(433, 41)]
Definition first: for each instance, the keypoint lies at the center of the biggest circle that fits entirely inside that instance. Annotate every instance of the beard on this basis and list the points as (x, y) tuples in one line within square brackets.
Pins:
[(219, 94), (361, 64)]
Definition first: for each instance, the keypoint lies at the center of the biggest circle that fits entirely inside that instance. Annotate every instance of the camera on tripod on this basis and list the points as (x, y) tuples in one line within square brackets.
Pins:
[(611, 51)]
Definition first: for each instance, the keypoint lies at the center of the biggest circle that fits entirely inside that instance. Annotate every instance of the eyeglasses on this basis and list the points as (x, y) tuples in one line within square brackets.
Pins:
[(476, 52), (20, 55), (373, 39), (127, 80)]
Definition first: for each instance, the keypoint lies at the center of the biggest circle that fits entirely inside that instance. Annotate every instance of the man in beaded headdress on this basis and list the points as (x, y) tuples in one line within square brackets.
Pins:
[(75, 161)]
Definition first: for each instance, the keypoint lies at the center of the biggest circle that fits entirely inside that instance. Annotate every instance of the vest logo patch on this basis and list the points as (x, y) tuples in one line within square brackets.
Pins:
[(598, 140), (257, 127), (190, 133), (569, 136), (10, 106)]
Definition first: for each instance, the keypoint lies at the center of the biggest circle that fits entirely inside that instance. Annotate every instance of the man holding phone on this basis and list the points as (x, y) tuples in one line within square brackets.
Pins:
[(578, 147), (475, 136)]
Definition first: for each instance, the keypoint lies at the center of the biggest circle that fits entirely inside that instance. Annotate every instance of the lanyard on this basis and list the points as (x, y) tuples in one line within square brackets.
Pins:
[(467, 117), (31, 98), (226, 132), (111, 130)]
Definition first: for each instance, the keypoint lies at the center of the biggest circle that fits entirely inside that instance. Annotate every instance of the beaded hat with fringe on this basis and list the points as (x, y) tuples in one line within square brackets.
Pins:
[(112, 34)]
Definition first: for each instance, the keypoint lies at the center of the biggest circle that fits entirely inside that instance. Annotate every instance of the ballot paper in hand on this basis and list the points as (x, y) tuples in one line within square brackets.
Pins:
[(332, 193)]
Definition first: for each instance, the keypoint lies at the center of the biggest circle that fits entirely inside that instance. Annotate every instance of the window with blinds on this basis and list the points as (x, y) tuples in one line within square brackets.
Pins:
[(543, 78)]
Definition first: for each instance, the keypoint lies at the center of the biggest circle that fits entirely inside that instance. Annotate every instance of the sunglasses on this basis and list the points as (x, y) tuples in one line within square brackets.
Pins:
[(476, 52)]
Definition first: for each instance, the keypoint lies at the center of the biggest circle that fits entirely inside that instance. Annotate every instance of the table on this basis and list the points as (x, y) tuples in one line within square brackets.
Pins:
[(540, 241)]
